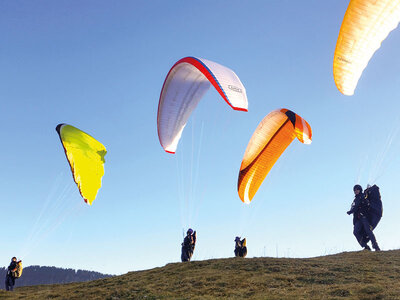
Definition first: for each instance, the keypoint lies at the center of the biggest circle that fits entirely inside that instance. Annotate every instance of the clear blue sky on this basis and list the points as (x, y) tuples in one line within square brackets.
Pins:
[(100, 66)]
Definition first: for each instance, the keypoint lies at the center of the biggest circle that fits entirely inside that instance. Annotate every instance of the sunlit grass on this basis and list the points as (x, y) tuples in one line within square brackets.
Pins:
[(352, 275)]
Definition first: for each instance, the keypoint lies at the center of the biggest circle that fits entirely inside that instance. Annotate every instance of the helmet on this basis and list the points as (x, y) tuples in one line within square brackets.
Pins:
[(190, 231), (357, 187), (237, 239)]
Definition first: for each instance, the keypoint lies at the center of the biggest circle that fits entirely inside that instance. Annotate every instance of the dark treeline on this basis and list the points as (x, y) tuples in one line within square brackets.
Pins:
[(34, 275)]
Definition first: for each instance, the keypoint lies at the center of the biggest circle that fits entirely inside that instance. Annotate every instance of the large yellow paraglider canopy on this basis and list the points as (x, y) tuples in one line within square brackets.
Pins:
[(365, 25), (85, 155)]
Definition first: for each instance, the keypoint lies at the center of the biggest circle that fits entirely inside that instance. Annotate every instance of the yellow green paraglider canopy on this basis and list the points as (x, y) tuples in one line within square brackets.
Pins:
[(85, 155)]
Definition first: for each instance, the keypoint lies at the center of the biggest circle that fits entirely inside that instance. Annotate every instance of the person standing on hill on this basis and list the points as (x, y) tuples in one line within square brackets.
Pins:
[(188, 245), (362, 227), (10, 277), (240, 247)]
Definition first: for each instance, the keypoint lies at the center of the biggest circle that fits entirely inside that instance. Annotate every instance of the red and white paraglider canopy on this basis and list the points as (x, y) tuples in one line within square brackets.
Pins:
[(186, 83)]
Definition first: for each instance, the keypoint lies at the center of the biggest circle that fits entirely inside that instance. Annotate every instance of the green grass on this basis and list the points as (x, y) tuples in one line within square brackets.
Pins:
[(351, 275)]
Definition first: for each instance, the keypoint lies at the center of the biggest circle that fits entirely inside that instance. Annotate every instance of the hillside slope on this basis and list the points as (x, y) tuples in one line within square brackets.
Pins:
[(35, 275), (351, 275)]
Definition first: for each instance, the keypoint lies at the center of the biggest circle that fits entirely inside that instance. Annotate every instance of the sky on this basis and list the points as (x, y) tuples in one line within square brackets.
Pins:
[(100, 66)]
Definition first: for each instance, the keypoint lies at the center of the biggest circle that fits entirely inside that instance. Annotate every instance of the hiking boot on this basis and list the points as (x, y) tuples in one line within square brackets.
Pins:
[(367, 248), (376, 247)]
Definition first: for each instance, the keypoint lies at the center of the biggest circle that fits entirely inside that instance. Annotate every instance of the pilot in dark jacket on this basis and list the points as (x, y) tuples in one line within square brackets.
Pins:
[(10, 276), (362, 227), (188, 245)]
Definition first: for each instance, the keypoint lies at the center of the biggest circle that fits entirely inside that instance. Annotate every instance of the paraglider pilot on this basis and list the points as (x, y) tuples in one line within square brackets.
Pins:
[(188, 245), (359, 209), (240, 247), (10, 277)]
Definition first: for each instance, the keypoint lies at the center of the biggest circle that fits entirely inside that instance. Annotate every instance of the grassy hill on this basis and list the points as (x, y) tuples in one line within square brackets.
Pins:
[(349, 275), (35, 275)]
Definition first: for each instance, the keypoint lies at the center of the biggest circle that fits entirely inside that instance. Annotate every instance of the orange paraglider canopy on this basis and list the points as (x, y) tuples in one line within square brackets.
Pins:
[(272, 136)]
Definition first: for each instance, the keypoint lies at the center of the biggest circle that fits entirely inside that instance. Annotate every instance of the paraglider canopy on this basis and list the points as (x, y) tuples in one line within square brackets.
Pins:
[(365, 25), (272, 136), (85, 156), (186, 83)]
